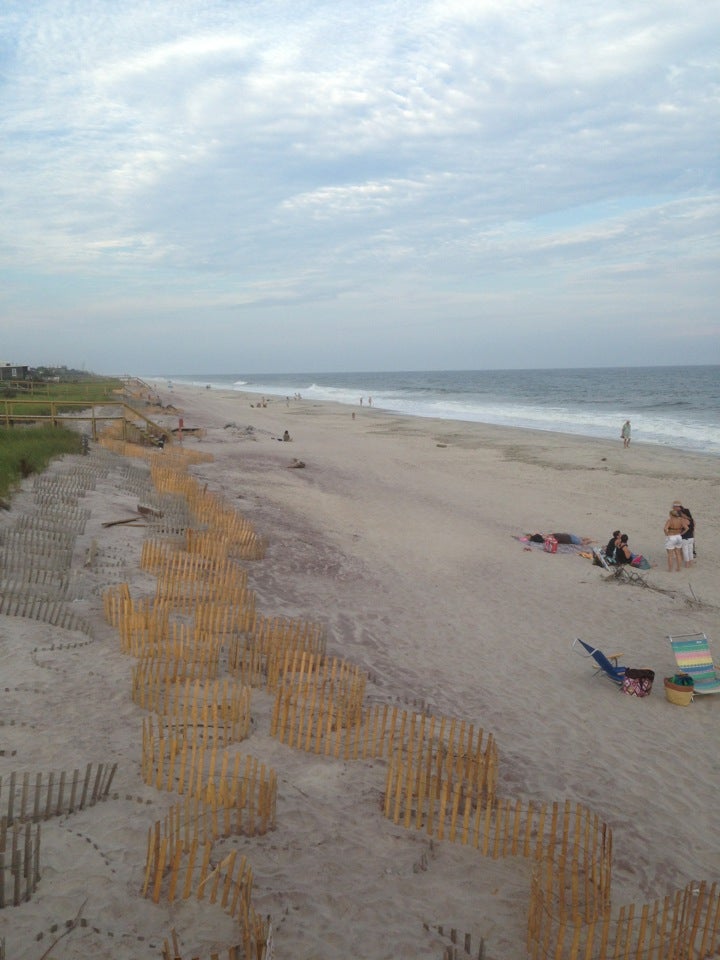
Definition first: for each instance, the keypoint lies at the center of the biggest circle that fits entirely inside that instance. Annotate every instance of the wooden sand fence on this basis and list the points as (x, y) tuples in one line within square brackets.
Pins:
[(145, 625), (34, 797), (54, 612), (179, 865), (53, 488), (29, 582), (256, 656), (221, 708), (179, 458), (186, 761), (36, 549), (570, 914), (207, 542), (243, 543), (178, 873), (52, 543), (142, 623), (228, 883), (224, 619), (684, 925), (56, 517), (29, 799), (208, 584), (184, 594), (206, 555), (210, 510), (322, 713), (170, 560), (236, 952), (179, 654), (19, 862), (317, 697), (133, 447), (146, 630), (114, 598)]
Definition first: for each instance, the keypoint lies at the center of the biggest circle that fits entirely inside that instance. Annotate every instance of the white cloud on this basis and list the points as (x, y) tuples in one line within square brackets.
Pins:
[(313, 154)]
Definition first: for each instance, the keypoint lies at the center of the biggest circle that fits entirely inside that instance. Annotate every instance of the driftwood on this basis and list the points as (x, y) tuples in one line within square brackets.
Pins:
[(149, 511), (115, 523)]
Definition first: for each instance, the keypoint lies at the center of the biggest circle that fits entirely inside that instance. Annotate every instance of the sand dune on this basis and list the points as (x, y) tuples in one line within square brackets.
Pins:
[(401, 536)]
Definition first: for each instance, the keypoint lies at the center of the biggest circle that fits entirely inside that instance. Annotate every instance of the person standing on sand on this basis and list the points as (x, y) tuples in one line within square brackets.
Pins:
[(688, 537), (675, 527), (625, 433)]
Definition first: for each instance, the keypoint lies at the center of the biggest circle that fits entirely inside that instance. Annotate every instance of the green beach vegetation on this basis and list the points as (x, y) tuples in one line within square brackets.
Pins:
[(44, 397), (27, 448)]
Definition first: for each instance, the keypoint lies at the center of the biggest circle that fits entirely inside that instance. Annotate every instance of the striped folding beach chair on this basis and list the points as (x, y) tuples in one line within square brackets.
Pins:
[(693, 656)]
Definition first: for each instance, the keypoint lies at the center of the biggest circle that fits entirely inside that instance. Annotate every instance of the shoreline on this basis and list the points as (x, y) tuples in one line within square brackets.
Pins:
[(278, 401), (653, 456), (401, 537)]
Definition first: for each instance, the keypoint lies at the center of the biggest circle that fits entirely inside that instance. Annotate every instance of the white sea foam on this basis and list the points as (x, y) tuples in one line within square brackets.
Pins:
[(592, 403)]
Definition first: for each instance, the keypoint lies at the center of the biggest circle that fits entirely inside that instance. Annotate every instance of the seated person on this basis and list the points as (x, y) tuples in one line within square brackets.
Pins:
[(622, 553), (612, 546)]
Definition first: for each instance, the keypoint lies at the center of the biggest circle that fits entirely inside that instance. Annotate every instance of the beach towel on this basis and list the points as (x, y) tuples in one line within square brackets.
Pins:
[(574, 548)]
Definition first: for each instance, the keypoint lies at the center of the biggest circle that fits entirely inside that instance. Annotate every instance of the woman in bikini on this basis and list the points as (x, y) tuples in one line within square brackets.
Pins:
[(675, 527)]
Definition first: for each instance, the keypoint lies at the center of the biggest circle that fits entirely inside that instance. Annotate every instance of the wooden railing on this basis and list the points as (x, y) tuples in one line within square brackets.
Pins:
[(99, 415)]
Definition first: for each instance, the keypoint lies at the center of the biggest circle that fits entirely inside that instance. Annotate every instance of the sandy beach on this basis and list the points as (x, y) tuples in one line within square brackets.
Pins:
[(401, 536)]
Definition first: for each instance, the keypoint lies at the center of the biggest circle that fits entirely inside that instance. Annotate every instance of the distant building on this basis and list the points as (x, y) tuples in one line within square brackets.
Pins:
[(12, 371)]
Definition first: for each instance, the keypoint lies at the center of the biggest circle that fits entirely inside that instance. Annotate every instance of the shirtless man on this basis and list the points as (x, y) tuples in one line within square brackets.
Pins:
[(675, 527)]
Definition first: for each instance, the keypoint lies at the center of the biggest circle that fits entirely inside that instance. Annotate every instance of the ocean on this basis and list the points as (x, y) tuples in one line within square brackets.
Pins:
[(675, 407)]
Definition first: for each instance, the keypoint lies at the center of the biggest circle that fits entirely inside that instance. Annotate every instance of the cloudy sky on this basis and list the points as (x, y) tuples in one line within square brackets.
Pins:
[(267, 186)]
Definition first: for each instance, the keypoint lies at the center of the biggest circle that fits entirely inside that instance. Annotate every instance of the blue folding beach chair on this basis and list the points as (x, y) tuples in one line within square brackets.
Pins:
[(607, 665)]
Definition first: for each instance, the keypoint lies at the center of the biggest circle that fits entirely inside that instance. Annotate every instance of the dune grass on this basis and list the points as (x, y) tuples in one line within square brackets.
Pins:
[(28, 450), (42, 399)]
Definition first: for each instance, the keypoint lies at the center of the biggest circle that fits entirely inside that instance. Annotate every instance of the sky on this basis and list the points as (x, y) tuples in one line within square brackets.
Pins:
[(229, 186)]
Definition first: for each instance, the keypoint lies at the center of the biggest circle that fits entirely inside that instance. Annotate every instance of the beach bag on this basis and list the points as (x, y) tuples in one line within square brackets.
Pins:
[(679, 689), (550, 545), (638, 682)]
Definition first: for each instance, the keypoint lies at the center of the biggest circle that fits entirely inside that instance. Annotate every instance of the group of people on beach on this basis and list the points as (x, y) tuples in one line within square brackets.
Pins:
[(679, 532), (679, 540)]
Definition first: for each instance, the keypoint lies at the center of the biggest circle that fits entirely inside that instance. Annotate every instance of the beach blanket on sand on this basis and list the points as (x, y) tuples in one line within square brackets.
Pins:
[(580, 550), (574, 548)]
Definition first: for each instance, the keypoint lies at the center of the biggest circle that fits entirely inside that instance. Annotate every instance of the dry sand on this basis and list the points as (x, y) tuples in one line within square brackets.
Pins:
[(399, 534)]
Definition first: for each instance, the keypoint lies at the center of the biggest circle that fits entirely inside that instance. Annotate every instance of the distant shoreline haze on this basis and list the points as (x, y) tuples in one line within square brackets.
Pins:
[(675, 406)]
